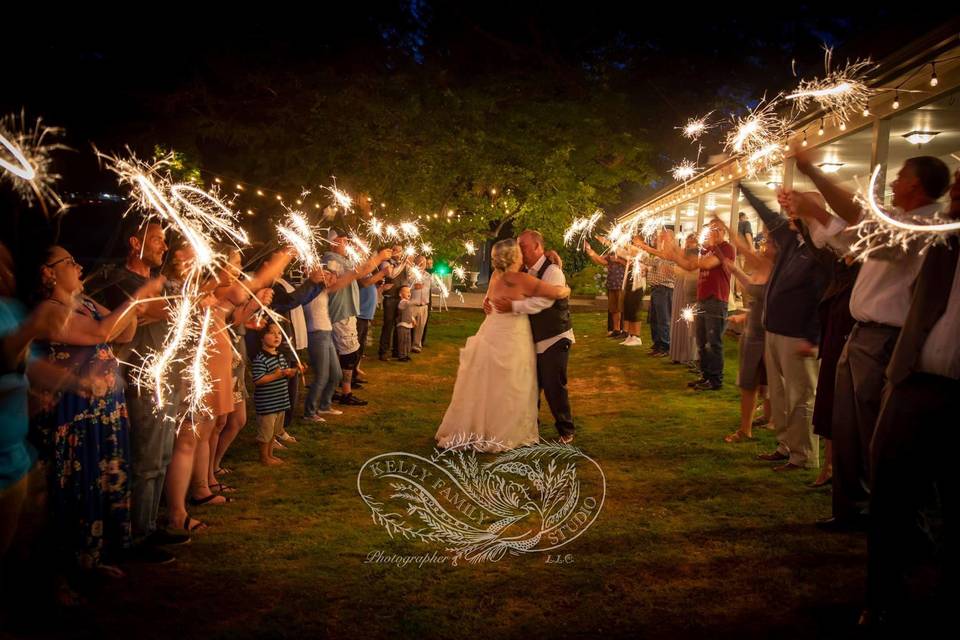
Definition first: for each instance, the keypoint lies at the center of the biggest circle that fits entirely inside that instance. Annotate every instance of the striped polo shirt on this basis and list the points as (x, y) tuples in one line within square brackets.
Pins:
[(272, 397)]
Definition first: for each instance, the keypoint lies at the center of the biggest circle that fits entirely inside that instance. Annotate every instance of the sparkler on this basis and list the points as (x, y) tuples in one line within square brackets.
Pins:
[(879, 230), (444, 292), (149, 190), (340, 198), (688, 312), (376, 228), (209, 210), (684, 170), (581, 228), (410, 229), (30, 172), (460, 273), (758, 136), (696, 127), (426, 249), (470, 248), (652, 225), (841, 92), (302, 237)]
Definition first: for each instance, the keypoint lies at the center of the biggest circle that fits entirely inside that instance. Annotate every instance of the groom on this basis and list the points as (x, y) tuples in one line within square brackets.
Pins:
[(552, 331)]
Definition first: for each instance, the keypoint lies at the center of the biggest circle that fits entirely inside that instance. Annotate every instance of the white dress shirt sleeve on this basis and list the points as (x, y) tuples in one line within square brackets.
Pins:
[(534, 305)]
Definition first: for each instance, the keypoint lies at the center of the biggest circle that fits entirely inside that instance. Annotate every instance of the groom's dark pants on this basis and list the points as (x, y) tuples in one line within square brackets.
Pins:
[(552, 378)]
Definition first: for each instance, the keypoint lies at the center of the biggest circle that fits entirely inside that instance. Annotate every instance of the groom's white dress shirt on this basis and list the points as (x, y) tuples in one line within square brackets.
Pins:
[(530, 306)]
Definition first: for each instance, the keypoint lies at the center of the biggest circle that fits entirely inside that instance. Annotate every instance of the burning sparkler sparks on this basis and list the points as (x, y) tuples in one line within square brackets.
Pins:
[(340, 198), (696, 127), (687, 313), (880, 230), (460, 273), (758, 136), (684, 170), (302, 237), (841, 92), (470, 248), (581, 228), (26, 160)]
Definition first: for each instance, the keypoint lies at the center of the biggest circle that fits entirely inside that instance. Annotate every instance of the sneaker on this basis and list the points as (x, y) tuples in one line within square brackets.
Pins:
[(356, 385), (404, 359), (331, 411), (632, 341), (416, 350), (708, 385), (162, 537), (315, 417), (696, 382), (776, 456), (286, 437), (353, 401), (148, 554), (662, 354)]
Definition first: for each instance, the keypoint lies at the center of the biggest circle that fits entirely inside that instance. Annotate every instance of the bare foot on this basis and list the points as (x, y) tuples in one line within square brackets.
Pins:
[(276, 460)]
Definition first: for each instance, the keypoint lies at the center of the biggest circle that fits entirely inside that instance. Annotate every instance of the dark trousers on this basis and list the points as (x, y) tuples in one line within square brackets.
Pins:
[(552, 379), (710, 323), (856, 405), (404, 340), (388, 332), (363, 328), (151, 446), (914, 447), (658, 316)]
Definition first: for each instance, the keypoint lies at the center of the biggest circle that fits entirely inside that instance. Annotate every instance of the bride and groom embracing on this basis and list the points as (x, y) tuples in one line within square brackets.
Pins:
[(522, 346)]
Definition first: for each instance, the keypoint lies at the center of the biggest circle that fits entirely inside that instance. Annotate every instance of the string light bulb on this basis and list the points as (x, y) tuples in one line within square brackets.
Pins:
[(866, 112), (820, 130), (259, 192), (933, 74), (843, 126), (896, 100)]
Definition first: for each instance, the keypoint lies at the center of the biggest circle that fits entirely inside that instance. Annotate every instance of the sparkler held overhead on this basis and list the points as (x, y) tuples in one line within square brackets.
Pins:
[(581, 228), (842, 93)]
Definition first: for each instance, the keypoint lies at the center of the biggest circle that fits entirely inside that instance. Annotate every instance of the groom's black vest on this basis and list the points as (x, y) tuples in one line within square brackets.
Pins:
[(553, 320)]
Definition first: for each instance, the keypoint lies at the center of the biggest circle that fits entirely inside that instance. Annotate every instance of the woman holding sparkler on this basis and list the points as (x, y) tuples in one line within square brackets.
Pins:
[(85, 433), (633, 285)]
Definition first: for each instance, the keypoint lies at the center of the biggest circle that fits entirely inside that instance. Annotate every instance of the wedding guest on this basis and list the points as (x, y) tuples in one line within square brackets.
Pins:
[(270, 372), (406, 324), (85, 432), (632, 286), (420, 301), (660, 277), (614, 282), (683, 343), (713, 292), (397, 276)]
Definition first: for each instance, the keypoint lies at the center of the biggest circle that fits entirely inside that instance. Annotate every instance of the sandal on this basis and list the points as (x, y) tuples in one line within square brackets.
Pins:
[(738, 436), (191, 524), (223, 471), (202, 501), (222, 488)]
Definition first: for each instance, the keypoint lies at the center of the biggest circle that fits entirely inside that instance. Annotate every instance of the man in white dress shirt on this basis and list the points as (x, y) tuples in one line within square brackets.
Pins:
[(552, 331)]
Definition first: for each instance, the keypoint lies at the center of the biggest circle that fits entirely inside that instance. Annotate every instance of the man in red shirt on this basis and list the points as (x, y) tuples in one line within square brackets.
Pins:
[(713, 291)]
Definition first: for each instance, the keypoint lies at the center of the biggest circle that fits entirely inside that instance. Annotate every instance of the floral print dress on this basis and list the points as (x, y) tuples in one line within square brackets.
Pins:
[(85, 441)]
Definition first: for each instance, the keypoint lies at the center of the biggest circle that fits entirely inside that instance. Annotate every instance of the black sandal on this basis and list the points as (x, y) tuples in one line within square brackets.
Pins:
[(202, 501), (222, 488)]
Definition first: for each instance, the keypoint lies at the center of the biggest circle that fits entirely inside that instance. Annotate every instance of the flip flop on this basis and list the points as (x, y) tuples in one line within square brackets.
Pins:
[(223, 471), (202, 501), (222, 488), (196, 526)]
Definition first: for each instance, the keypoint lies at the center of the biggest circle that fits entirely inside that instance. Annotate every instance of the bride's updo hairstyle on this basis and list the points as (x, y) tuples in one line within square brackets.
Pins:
[(504, 254)]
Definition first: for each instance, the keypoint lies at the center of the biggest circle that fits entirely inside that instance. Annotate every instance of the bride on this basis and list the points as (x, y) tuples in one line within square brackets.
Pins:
[(494, 400)]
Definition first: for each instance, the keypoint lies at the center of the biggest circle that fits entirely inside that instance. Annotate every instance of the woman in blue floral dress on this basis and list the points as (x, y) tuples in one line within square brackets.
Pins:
[(83, 428)]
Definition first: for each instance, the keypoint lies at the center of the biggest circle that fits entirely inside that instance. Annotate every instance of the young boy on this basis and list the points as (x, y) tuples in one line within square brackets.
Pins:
[(270, 372), (406, 321)]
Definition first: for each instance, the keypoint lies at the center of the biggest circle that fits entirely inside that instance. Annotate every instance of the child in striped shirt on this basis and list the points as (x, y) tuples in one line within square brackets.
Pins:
[(271, 397)]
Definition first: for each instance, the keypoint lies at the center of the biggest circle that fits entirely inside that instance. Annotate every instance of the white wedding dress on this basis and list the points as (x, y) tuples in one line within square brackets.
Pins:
[(495, 395)]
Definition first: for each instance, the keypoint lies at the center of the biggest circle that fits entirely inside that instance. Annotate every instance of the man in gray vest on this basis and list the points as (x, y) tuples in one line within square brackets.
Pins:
[(552, 331)]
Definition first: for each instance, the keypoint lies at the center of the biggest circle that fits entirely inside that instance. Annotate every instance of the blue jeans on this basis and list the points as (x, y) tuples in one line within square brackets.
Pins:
[(326, 371), (661, 305), (711, 321)]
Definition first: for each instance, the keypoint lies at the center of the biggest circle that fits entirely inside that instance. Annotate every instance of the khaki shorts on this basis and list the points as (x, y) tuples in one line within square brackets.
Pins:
[(269, 426), (614, 300)]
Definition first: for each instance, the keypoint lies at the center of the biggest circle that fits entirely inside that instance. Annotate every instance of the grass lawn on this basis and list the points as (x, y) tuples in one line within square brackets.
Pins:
[(696, 538)]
